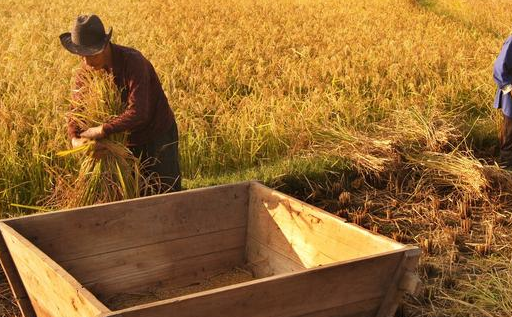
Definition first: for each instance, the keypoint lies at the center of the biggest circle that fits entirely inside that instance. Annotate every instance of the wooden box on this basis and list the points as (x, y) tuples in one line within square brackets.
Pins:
[(241, 250)]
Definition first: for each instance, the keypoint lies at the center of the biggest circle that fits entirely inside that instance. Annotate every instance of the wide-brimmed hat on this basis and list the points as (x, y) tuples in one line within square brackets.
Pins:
[(87, 37)]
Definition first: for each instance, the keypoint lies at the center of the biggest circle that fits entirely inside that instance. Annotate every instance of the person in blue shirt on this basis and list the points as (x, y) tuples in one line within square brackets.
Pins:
[(502, 74)]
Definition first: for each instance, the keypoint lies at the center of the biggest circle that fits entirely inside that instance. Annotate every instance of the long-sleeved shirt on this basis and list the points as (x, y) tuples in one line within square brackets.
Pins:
[(502, 74), (147, 113)]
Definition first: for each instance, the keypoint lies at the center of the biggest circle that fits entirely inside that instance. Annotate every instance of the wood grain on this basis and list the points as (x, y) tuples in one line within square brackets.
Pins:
[(52, 291), (99, 229), (307, 234), (357, 284), (17, 288)]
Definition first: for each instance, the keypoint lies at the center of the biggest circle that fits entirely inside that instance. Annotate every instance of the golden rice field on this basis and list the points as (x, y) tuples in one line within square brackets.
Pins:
[(377, 110)]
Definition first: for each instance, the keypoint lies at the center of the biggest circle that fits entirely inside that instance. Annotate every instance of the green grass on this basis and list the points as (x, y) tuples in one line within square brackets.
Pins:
[(289, 175)]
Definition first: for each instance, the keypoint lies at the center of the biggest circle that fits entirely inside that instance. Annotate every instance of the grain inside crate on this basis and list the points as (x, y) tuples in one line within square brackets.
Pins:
[(232, 250)]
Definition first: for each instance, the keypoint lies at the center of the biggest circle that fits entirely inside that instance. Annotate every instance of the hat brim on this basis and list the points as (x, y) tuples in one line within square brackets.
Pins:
[(65, 40)]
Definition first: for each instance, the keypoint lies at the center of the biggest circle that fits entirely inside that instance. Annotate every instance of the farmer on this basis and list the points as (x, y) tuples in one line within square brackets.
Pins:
[(503, 100), (150, 122)]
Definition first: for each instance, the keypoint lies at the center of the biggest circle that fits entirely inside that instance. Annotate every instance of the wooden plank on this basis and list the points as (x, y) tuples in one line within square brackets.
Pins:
[(99, 229), (365, 308), (260, 256), (308, 234), (263, 261), (185, 273), (188, 272), (179, 274), (284, 238), (289, 295), (395, 293), (52, 291), (410, 283), (142, 266), (17, 288)]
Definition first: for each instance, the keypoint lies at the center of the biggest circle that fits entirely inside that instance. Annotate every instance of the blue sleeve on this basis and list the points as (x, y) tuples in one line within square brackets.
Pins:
[(502, 72)]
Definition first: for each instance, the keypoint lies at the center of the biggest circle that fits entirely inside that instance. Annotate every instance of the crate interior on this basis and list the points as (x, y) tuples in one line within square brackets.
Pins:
[(160, 247)]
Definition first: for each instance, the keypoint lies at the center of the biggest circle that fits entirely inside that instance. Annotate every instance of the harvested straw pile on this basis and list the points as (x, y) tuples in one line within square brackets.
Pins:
[(423, 185)]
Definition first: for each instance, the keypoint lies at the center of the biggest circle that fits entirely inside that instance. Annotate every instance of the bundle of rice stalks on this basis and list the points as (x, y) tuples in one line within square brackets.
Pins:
[(108, 170), (500, 179), (420, 129), (455, 170), (369, 155)]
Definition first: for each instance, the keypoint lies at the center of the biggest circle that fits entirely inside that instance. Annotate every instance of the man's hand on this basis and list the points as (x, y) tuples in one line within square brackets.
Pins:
[(99, 151), (93, 133), (77, 142)]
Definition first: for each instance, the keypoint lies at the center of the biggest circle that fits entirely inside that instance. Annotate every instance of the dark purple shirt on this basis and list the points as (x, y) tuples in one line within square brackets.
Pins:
[(147, 113)]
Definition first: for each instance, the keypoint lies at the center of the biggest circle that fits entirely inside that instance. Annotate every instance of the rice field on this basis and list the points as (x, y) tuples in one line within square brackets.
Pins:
[(378, 111)]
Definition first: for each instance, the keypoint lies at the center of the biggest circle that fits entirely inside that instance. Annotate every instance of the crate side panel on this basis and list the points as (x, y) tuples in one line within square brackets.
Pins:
[(308, 234), (175, 261), (396, 290), (365, 308), (186, 272), (15, 283), (96, 230), (51, 290), (262, 257), (305, 293), (264, 261)]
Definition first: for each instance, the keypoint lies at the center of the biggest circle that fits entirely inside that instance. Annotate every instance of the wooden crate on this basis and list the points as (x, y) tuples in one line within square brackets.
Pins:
[(304, 261)]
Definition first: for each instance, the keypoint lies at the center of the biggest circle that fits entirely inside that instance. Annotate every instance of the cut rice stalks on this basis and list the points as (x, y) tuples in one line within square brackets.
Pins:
[(108, 170)]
